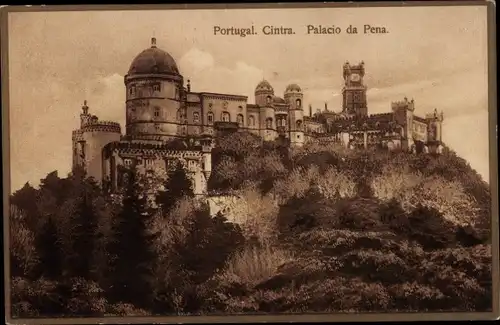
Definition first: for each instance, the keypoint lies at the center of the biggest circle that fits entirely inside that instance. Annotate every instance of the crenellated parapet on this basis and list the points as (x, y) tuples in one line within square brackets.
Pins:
[(151, 149), (435, 116), (77, 135), (102, 126), (403, 104), (353, 68)]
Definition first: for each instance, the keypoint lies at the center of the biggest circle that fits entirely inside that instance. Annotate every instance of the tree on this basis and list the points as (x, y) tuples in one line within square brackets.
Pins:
[(177, 186), (84, 234), (131, 248), (49, 250)]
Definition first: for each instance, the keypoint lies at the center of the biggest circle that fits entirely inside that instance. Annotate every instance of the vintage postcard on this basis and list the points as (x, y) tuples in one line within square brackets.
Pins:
[(247, 163)]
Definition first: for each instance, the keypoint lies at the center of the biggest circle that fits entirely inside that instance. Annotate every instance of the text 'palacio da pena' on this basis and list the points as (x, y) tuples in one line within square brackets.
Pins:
[(169, 123)]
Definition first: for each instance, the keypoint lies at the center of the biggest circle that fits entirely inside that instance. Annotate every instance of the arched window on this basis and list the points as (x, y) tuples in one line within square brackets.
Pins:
[(240, 120), (210, 117), (251, 120), (269, 123), (132, 90), (196, 117), (298, 124), (157, 112), (226, 117), (298, 102), (268, 100)]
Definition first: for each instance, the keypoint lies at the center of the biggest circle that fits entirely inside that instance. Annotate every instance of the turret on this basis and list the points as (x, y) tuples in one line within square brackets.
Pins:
[(90, 139), (293, 97), (264, 93), (403, 115), (435, 122)]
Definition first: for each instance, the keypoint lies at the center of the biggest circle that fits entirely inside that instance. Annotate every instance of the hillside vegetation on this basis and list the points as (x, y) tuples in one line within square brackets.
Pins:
[(326, 230)]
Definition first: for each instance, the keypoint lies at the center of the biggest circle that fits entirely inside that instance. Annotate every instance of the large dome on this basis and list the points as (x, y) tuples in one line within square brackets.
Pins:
[(153, 60)]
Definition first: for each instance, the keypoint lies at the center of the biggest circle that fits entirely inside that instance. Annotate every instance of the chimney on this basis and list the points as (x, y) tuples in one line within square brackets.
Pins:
[(310, 110), (326, 107)]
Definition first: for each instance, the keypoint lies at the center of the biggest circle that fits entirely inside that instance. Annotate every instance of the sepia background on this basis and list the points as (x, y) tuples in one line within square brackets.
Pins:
[(437, 55)]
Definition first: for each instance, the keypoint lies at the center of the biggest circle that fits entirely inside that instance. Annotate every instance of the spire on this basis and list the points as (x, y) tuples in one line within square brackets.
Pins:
[(188, 85), (310, 110), (326, 107), (153, 42), (85, 108)]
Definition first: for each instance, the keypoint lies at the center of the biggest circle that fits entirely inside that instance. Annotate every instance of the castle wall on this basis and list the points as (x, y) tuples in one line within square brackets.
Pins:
[(159, 161), (94, 142)]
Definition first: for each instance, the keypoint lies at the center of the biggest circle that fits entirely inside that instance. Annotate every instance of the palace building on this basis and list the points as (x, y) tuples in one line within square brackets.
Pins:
[(169, 123)]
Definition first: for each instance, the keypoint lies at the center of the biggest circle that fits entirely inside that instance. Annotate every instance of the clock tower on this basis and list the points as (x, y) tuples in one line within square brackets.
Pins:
[(354, 90)]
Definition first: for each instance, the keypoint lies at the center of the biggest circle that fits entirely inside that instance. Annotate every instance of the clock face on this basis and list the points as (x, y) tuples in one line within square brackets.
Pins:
[(355, 77)]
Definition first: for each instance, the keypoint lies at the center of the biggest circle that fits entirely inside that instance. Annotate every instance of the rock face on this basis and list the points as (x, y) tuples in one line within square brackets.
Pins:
[(230, 206)]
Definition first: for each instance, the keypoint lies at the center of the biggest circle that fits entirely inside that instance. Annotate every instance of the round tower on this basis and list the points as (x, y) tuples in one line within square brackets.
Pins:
[(154, 90), (294, 97), (89, 141)]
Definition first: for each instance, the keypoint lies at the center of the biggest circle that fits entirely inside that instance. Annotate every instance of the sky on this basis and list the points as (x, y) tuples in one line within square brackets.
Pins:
[(59, 59)]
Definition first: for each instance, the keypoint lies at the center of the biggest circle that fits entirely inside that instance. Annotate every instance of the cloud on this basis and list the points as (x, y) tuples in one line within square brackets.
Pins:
[(106, 97), (207, 74)]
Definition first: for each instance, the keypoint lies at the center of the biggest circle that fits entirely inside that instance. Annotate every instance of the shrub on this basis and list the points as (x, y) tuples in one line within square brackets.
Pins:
[(255, 264), (257, 214)]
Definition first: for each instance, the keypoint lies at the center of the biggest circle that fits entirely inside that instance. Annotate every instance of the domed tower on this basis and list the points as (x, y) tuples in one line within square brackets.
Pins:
[(294, 97), (154, 102), (264, 93)]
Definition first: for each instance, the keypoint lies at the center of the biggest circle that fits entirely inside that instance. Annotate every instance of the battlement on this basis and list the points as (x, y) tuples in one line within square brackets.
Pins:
[(102, 126), (152, 149), (359, 68), (77, 135), (403, 104), (435, 116)]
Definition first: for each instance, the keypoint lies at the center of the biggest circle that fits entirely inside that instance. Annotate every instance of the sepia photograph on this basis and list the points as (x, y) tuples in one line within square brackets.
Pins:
[(267, 161)]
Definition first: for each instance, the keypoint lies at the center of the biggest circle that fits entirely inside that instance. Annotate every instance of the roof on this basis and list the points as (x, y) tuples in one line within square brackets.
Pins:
[(293, 88), (153, 61), (264, 85)]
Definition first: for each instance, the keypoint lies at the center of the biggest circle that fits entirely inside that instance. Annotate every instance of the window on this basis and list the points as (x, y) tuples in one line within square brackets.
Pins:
[(157, 112), (225, 117), (268, 99), (269, 123), (196, 117), (298, 103), (157, 127), (240, 120), (156, 87), (210, 117), (127, 162), (251, 120), (132, 90), (183, 130), (298, 124)]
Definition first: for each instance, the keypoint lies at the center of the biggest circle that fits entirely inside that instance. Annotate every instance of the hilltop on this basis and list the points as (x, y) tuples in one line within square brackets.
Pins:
[(325, 229)]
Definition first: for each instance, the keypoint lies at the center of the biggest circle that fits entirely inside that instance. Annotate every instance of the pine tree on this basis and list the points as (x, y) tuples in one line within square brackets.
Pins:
[(84, 235), (49, 250), (177, 186), (131, 249)]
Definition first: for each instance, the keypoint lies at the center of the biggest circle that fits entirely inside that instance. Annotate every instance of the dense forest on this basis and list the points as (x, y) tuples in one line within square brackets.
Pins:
[(328, 230)]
